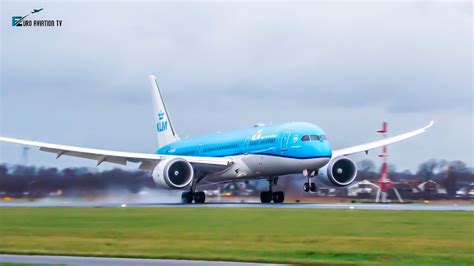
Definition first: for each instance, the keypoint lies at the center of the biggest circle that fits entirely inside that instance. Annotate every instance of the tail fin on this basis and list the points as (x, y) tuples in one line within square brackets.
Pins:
[(164, 127)]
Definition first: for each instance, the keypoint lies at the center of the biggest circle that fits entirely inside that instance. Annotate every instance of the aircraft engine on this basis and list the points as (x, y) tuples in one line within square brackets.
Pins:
[(173, 173), (339, 172)]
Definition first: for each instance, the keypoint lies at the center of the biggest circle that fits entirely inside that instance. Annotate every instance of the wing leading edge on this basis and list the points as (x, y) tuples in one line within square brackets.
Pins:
[(380, 143), (147, 161)]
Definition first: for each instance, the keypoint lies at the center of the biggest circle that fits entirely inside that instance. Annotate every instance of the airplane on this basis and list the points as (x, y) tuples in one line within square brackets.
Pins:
[(259, 152), (36, 10)]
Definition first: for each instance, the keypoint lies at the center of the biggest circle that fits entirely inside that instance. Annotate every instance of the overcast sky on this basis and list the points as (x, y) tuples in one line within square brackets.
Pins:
[(221, 66)]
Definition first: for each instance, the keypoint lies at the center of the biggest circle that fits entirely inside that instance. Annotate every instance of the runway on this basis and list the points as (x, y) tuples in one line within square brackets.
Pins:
[(354, 206), (86, 261)]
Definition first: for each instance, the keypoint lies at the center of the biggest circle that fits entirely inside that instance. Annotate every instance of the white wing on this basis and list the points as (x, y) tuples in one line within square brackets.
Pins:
[(376, 144), (147, 161)]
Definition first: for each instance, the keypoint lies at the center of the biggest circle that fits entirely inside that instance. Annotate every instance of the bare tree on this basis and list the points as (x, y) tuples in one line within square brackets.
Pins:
[(366, 166), (456, 171), (427, 169)]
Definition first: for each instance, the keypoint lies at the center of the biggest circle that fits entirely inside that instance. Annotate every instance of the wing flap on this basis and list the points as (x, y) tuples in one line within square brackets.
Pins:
[(97, 157), (380, 143), (148, 165)]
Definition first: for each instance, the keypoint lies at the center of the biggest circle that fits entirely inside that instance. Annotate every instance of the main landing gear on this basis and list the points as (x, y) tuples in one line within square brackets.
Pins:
[(269, 196), (310, 185), (197, 197), (192, 195)]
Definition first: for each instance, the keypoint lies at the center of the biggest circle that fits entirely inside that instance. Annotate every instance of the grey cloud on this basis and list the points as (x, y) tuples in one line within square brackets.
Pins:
[(236, 63)]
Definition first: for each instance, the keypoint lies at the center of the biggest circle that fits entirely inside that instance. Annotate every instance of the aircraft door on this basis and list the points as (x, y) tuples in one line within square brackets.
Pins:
[(285, 140), (246, 146)]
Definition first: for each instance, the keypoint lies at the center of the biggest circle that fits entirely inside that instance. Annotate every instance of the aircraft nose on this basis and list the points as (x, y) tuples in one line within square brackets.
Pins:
[(324, 149)]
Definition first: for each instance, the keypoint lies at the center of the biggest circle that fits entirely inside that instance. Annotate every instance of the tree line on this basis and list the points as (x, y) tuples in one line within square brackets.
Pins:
[(36, 182)]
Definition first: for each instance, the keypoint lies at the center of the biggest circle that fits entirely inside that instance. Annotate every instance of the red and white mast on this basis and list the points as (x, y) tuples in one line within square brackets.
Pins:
[(384, 181)]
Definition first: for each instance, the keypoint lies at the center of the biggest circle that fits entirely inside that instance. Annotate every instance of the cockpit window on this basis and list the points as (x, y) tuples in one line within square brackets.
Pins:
[(305, 138), (314, 137)]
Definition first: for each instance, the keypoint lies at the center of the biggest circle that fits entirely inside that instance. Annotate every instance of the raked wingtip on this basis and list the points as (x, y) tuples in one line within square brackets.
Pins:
[(430, 124)]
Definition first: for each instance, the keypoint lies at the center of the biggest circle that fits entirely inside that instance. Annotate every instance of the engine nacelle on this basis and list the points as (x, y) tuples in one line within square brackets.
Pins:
[(173, 173), (339, 172)]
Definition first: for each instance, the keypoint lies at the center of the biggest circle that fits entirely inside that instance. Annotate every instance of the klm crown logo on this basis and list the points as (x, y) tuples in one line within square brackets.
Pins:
[(161, 125)]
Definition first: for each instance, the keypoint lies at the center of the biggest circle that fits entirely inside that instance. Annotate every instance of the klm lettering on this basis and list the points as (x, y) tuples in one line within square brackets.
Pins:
[(162, 126)]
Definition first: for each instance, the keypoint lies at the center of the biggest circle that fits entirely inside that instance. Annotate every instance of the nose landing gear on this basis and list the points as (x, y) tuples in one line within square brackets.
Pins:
[(269, 196), (310, 185)]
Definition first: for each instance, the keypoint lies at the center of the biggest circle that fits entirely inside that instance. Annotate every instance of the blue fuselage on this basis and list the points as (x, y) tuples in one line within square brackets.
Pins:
[(297, 140)]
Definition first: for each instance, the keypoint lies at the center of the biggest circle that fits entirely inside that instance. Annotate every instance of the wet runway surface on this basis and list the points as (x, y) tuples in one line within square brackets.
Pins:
[(83, 261), (356, 206)]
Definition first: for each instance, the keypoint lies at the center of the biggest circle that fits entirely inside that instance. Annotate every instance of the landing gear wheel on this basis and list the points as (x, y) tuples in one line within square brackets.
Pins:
[(187, 197), (306, 187), (266, 197), (278, 197), (313, 187), (199, 197)]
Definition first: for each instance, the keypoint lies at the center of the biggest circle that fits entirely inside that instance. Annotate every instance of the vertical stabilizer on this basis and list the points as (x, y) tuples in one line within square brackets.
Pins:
[(163, 126)]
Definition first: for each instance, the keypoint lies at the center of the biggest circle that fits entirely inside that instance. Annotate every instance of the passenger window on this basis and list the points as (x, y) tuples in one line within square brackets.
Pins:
[(314, 137), (305, 138)]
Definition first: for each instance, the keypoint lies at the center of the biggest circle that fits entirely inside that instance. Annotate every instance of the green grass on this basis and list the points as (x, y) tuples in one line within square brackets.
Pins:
[(303, 236)]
